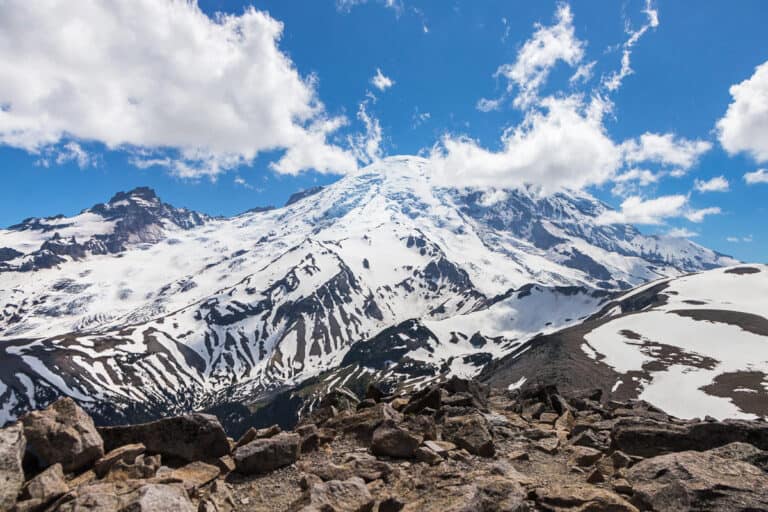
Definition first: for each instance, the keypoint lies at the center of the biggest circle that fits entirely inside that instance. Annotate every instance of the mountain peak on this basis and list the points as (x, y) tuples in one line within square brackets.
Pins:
[(144, 193)]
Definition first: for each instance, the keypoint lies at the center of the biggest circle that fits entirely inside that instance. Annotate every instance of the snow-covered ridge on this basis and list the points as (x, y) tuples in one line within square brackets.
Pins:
[(137, 302)]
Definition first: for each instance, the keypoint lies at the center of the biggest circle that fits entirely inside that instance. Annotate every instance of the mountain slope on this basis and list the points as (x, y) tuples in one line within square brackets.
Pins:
[(191, 311), (695, 345)]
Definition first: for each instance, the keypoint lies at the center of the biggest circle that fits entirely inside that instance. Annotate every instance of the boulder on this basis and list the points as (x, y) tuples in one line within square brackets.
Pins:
[(258, 433), (440, 447), (648, 438), (430, 397), (471, 433), (392, 441), (694, 480), (194, 475), (47, 486), (264, 455), (348, 495), (557, 497), (362, 423), (12, 446), (584, 456), (63, 433), (191, 437), (143, 466), (127, 454), (744, 452)]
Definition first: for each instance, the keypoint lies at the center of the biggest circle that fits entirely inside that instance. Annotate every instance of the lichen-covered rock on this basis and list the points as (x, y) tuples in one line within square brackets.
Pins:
[(264, 455), (64, 433), (12, 446)]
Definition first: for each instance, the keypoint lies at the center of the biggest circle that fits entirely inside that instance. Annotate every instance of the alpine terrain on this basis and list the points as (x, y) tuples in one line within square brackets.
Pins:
[(137, 309)]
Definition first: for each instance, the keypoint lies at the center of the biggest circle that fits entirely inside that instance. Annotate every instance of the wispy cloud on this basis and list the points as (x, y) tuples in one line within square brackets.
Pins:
[(381, 81)]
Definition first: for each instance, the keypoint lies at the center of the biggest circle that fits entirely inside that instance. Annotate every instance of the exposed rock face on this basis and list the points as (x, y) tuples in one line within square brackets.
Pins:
[(191, 437), (264, 455), (12, 446), (698, 481), (62, 433)]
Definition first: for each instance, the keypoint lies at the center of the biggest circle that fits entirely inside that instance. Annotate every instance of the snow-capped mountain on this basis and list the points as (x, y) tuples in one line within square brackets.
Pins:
[(693, 346), (180, 310)]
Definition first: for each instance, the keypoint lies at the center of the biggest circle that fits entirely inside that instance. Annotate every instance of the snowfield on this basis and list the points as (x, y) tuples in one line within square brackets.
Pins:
[(138, 308), (710, 325)]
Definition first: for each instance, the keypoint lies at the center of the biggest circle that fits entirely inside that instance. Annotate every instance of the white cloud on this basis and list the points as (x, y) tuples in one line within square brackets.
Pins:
[(736, 239), (492, 197), (636, 210), (758, 176), (367, 146), (613, 81), (539, 54), (583, 73), (348, 5), (744, 128), (488, 105), (665, 149), (631, 181), (420, 118), (682, 233), (196, 94), (698, 215), (716, 184), (564, 145), (381, 81)]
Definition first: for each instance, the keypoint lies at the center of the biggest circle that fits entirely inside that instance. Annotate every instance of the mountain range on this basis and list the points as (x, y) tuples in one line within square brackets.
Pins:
[(137, 309)]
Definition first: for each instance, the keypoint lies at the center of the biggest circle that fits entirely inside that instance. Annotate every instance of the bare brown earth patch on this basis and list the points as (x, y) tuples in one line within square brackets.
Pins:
[(745, 389), (747, 321), (742, 270)]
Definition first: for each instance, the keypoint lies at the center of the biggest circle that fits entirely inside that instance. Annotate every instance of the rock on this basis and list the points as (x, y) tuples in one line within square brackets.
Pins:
[(391, 504), (479, 391), (596, 476), (260, 433), (547, 444), (392, 441), (471, 433), (647, 438), (158, 497), (743, 452), (191, 437), (341, 399), (194, 475), (565, 421), (367, 467), (144, 466), (264, 455), (622, 486), (12, 446), (424, 454), (362, 423), (98, 497), (533, 411), (374, 393), (557, 497), (440, 447), (225, 463), (590, 439), (427, 398), (47, 486), (422, 425), (64, 433), (328, 471), (365, 404), (694, 480), (127, 454), (621, 459), (307, 480), (584, 456), (548, 417), (349, 496)]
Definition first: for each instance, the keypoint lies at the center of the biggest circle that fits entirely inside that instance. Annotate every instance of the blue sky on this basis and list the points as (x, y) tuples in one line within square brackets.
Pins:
[(216, 142)]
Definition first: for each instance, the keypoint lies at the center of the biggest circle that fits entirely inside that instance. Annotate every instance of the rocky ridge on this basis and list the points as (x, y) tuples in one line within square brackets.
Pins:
[(457, 445)]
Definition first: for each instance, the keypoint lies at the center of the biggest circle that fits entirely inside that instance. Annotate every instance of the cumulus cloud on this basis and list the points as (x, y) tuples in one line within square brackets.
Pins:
[(196, 94), (665, 149), (613, 81), (758, 176), (537, 57), (716, 184), (564, 145), (698, 215), (745, 124), (682, 233), (381, 81), (636, 210), (630, 181)]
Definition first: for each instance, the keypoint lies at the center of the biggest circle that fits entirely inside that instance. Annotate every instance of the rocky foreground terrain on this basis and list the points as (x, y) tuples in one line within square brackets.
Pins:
[(454, 446)]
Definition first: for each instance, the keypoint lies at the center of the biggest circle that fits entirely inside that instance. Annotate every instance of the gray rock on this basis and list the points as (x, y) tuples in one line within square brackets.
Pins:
[(127, 454), (261, 433), (392, 441), (64, 433), (349, 495), (47, 486), (471, 433), (191, 437), (694, 480), (12, 446), (264, 455)]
